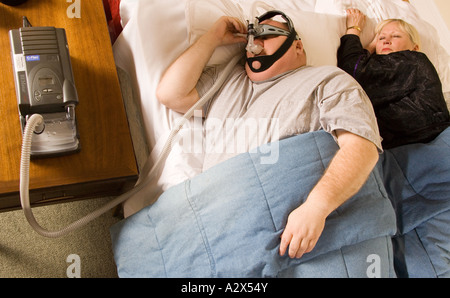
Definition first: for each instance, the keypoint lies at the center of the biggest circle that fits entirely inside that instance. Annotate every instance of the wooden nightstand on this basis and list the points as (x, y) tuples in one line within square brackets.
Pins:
[(106, 164)]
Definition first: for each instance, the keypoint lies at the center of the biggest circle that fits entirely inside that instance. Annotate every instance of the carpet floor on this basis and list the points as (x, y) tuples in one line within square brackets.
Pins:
[(26, 254)]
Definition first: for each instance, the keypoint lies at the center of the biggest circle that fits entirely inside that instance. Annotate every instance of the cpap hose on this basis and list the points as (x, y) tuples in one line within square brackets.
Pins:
[(37, 119), (252, 27)]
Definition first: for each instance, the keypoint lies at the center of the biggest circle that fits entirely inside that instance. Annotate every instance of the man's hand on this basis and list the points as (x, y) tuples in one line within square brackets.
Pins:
[(304, 227), (224, 30)]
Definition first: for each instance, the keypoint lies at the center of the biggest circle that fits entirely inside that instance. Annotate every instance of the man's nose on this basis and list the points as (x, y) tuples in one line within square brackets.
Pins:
[(259, 42)]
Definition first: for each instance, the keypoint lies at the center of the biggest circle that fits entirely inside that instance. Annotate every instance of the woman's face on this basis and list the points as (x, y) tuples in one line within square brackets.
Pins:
[(393, 39)]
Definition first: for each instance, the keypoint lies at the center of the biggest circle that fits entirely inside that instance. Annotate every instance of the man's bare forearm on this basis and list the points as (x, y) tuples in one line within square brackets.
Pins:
[(346, 173), (176, 89)]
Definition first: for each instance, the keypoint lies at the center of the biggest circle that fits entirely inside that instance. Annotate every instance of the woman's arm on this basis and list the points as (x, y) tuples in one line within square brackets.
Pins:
[(176, 90), (356, 21), (351, 53)]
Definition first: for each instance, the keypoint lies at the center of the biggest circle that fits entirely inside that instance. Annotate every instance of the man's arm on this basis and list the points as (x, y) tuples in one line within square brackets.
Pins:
[(346, 174), (176, 89)]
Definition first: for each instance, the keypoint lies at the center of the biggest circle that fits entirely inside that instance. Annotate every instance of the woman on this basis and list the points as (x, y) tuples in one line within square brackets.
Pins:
[(401, 82)]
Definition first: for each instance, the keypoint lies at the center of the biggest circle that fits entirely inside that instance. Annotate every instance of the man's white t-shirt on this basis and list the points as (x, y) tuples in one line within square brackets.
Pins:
[(244, 114)]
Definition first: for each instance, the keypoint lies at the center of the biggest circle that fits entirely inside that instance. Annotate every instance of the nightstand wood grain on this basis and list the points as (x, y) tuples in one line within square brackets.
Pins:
[(106, 164)]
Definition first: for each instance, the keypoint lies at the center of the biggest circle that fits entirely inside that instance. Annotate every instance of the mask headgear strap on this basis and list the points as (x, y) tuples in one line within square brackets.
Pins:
[(268, 60)]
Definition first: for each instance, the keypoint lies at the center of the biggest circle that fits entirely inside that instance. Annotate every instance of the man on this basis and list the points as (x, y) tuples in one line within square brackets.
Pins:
[(302, 98)]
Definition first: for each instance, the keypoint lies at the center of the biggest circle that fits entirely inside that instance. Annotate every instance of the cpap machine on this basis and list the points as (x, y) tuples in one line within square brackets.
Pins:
[(45, 85)]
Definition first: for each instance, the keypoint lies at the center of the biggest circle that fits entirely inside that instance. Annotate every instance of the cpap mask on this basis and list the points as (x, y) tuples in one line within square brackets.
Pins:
[(256, 30)]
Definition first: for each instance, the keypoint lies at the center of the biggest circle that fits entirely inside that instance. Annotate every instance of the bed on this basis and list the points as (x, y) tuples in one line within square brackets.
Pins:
[(180, 225)]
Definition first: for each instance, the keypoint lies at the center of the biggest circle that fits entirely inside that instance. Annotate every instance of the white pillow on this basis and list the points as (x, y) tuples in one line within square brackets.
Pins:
[(320, 24), (154, 35)]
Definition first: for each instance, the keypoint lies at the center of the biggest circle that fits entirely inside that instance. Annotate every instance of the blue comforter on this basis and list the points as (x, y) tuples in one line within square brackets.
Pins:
[(417, 179), (226, 222)]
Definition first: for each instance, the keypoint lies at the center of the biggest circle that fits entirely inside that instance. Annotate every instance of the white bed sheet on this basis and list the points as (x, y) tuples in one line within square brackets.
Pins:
[(156, 32)]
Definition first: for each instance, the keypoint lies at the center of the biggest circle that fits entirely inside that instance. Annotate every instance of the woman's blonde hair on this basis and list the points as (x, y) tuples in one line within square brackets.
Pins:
[(405, 26)]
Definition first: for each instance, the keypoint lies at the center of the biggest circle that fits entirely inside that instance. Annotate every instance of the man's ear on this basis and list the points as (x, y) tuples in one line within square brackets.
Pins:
[(299, 46)]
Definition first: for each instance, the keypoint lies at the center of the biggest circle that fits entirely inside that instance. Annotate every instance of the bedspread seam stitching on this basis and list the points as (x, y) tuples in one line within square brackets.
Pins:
[(264, 193), (159, 245), (201, 229)]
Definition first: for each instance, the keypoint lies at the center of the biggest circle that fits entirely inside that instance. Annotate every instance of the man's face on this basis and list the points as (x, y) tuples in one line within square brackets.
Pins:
[(270, 44)]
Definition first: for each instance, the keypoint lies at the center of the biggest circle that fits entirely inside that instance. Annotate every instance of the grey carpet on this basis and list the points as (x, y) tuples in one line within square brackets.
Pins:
[(24, 253)]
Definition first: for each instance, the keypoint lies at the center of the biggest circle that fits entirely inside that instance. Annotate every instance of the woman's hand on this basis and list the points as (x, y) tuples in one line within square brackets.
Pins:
[(356, 21)]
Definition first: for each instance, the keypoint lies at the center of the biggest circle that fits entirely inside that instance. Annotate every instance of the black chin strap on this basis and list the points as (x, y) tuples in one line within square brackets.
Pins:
[(268, 60)]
